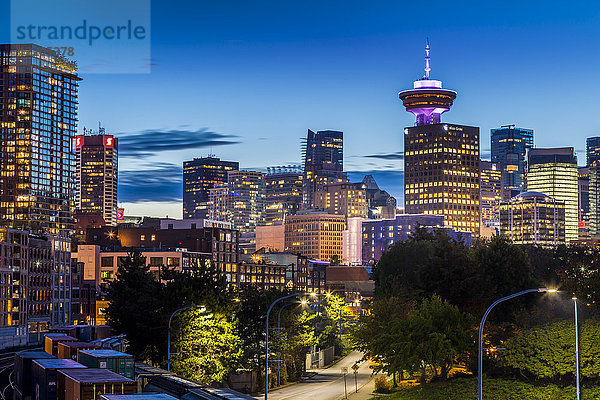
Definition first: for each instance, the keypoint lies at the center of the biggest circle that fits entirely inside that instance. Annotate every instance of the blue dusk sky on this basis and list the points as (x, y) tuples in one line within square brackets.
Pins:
[(244, 80)]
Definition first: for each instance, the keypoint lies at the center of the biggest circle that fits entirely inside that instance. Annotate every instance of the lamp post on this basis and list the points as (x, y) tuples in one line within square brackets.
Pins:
[(169, 334), (480, 355), (267, 340), (576, 348)]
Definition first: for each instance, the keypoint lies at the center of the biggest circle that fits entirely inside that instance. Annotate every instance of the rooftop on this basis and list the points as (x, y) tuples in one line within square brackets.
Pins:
[(94, 375)]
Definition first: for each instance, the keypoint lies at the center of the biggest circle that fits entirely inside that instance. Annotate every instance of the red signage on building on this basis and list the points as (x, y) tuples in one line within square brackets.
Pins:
[(109, 141), (78, 141)]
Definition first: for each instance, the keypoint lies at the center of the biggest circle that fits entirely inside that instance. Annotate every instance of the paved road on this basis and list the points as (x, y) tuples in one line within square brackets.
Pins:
[(328, 384)]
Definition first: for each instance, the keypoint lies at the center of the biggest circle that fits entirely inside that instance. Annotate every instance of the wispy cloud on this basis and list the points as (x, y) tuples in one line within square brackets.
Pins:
[(486, 153), (159, 182), (152, 141), (388, 156)]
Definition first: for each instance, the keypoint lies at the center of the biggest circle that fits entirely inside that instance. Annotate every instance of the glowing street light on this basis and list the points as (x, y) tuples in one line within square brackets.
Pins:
[(480, 355)]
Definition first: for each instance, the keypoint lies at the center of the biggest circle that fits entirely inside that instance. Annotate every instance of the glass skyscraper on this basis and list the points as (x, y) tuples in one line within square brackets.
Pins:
[(199, 176), (441, 174), (553, 172), (240, 201), (592, 150), (533, 218), (509, 148), (283, 193), (38, 102), (323, 163), (97, 176), (491, 193)]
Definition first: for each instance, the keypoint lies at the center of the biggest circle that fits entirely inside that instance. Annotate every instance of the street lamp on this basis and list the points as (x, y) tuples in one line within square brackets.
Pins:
[(576, 348), (480, 355), (267, 340), (169, 333)]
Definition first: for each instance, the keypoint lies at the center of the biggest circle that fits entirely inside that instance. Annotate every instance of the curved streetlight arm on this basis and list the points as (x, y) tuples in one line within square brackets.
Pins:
[(267, 340), (169, 333), (480, 355)]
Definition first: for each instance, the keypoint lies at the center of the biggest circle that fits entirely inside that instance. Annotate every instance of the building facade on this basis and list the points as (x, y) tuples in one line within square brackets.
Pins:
[(209, 237), (553, 172), (96, 177), (323, 163), (38, 99), (594, 199), (583, 174), (316, 236), (348, 199), (378, 235), (509, 150), (35, 280), (441, 174), (533, 218), (592, 150), (199, 176), (283, 194), (491, 186), (241, 201)]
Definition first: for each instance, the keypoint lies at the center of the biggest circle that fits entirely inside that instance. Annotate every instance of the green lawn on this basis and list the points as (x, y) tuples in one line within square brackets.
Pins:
[(497, 389)]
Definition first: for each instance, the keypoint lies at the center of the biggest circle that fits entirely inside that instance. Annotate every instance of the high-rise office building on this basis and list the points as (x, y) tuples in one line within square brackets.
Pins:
[(491, 193), (583, 174), (553, 172), (509, 149), (38, 109), (441, 161), (96, 176), (315, 235), (592, 150), (199, 176), (323, 163), (533, 218), (348, 199), (594, 199), (283, 193), (593, 164), (240, 201)]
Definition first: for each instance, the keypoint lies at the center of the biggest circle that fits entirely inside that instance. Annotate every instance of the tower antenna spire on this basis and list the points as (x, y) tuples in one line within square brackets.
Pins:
[(427, 68)]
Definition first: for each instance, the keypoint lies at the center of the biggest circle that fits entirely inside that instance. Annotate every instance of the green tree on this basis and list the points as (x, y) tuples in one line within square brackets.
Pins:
[(429, 262), (208, 346), (251, 314), (298, 335), (136, 308), (141, 303), (548, 351), (430, 337), (436, 333), (336, 316), (501, 268)]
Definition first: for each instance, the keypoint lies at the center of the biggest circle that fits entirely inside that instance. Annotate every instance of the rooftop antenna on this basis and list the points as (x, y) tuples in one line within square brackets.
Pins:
[(101, 130), (427, 58)]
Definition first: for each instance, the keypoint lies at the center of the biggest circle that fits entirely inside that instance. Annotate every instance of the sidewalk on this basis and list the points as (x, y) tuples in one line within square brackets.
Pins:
[(365, 392)]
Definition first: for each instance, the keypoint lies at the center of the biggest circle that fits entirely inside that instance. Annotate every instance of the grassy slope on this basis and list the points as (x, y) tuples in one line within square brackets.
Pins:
[(496, 389)]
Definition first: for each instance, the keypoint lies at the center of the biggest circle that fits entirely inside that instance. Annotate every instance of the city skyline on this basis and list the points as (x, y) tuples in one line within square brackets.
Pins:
[(353, 61)]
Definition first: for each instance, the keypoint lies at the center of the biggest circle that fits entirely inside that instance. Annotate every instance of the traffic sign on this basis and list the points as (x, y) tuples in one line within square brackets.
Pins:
[(344, 370)]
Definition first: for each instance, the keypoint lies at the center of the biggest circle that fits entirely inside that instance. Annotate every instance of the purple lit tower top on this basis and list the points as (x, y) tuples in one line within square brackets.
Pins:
[(427, 100)]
